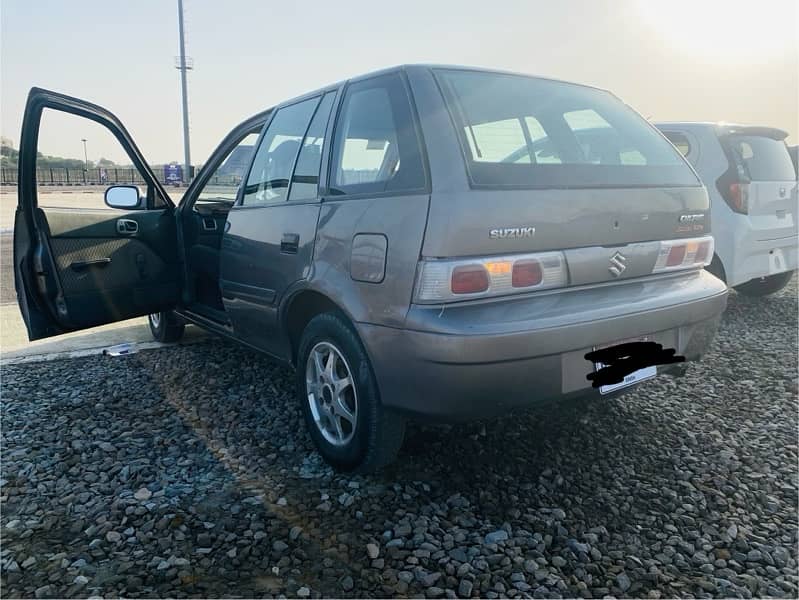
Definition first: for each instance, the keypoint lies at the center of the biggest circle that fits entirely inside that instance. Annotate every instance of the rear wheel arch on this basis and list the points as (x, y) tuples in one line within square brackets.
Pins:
[(300, 309), (716, 267)]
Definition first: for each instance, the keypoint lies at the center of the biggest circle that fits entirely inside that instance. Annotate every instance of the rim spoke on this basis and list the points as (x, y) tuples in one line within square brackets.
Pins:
[(330, 365), (339, 431), (339, 385), (341, 409), (318, 365)]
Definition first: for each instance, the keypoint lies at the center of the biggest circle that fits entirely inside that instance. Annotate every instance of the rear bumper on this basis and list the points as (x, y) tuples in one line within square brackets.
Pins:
[(751, 258), (485, 359)]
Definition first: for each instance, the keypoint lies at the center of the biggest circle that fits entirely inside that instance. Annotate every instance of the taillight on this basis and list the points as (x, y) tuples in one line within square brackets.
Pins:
[(442, 280), (684, 254), (526, 273), (469, 279), (676, 255), (737, 197)]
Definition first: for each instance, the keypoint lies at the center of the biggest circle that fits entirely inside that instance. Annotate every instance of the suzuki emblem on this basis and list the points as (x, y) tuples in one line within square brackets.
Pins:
[(618, 264)]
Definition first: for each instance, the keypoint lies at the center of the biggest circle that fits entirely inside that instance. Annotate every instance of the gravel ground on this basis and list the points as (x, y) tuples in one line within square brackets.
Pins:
[(145, 476)]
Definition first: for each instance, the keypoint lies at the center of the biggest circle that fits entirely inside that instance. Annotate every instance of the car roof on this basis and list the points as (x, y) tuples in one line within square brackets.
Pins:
[(772, 132), (420, 66)]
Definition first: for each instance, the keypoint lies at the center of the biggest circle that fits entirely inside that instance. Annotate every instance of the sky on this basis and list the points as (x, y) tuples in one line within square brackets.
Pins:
[(725, 60)]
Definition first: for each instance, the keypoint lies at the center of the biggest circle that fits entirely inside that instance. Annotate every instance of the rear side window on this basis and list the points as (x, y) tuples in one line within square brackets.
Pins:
[(376, 148), (526, 132), (268, 181), (762, 158), (305, 180)]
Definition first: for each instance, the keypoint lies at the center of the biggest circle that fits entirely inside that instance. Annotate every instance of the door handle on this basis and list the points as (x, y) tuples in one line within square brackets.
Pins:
[(85, 264), (127, 226), (290, 243)]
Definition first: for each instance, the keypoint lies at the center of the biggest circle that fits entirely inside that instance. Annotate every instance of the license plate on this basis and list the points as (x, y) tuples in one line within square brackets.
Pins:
[(631, 379)]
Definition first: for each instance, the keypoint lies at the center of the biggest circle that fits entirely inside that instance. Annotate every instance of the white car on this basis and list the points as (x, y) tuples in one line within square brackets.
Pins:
[(752, 185)]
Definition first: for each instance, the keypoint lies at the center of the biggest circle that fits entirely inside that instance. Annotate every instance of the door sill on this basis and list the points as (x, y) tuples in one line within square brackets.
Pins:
[(206, 313)]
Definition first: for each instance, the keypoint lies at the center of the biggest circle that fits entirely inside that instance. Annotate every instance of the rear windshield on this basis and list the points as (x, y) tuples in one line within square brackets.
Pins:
[(762, 158), (525, 132)]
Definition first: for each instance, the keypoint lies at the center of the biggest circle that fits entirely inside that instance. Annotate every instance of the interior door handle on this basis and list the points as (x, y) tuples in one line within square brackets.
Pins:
[(290, 243), (127, 226), (82, 265)]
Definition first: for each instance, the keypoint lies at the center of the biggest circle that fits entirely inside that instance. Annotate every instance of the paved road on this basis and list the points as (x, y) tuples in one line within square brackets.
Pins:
[(7, 293)]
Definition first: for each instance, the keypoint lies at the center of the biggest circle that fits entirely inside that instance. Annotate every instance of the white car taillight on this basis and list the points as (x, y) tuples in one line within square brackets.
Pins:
[(462, 279), (684, 254)]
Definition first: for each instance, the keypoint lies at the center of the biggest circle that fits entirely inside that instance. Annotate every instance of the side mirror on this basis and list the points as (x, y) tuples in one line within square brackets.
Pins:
[(122, 196)]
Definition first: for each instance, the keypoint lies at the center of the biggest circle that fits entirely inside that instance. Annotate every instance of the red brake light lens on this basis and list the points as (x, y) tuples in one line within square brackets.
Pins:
[(526, 273), (738, 198), (469, 279)]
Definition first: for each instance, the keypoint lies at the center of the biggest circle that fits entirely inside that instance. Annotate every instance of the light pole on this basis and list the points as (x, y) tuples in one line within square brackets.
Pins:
[(85, 160), (85, 155), (183, 67)]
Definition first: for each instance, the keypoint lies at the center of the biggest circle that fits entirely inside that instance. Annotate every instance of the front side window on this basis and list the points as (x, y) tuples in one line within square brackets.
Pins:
[(527, 132), (223, 184), (72, 149), (268, 181), (376, 147)]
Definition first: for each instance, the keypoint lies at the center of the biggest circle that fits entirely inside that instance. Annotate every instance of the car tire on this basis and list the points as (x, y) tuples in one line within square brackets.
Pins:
[(166, 327), (763, 286), (350, 427)]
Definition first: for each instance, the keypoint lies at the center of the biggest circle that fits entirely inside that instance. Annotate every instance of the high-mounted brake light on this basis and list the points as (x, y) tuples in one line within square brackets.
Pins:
[(446, 280), (684, 254)]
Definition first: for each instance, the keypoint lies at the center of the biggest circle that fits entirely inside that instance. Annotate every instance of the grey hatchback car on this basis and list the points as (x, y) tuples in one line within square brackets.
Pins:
[(424, 242)]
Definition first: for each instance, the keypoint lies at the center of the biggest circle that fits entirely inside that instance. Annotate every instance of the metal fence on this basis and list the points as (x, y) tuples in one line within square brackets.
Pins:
[(97, 176)]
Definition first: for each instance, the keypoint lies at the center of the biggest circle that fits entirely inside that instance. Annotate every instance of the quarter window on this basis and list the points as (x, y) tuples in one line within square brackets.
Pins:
[(376, 146), (268, 181), (305, 181), (679, 140)]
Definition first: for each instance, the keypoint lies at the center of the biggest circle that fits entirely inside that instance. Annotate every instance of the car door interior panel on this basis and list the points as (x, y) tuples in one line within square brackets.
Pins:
[(101, 270), (76, 268)]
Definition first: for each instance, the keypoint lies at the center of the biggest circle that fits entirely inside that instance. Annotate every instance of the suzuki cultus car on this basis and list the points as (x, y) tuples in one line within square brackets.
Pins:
[(423, 242)]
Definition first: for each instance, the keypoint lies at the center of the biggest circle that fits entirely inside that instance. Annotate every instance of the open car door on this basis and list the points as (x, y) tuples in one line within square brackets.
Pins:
[(82, 264)]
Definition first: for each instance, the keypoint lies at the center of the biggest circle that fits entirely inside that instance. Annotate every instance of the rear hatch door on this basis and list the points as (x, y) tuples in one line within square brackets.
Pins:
[(558, 166), (760, 157)]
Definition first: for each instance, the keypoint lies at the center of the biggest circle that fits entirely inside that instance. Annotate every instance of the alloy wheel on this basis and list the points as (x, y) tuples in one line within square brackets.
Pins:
[(332, 397)]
